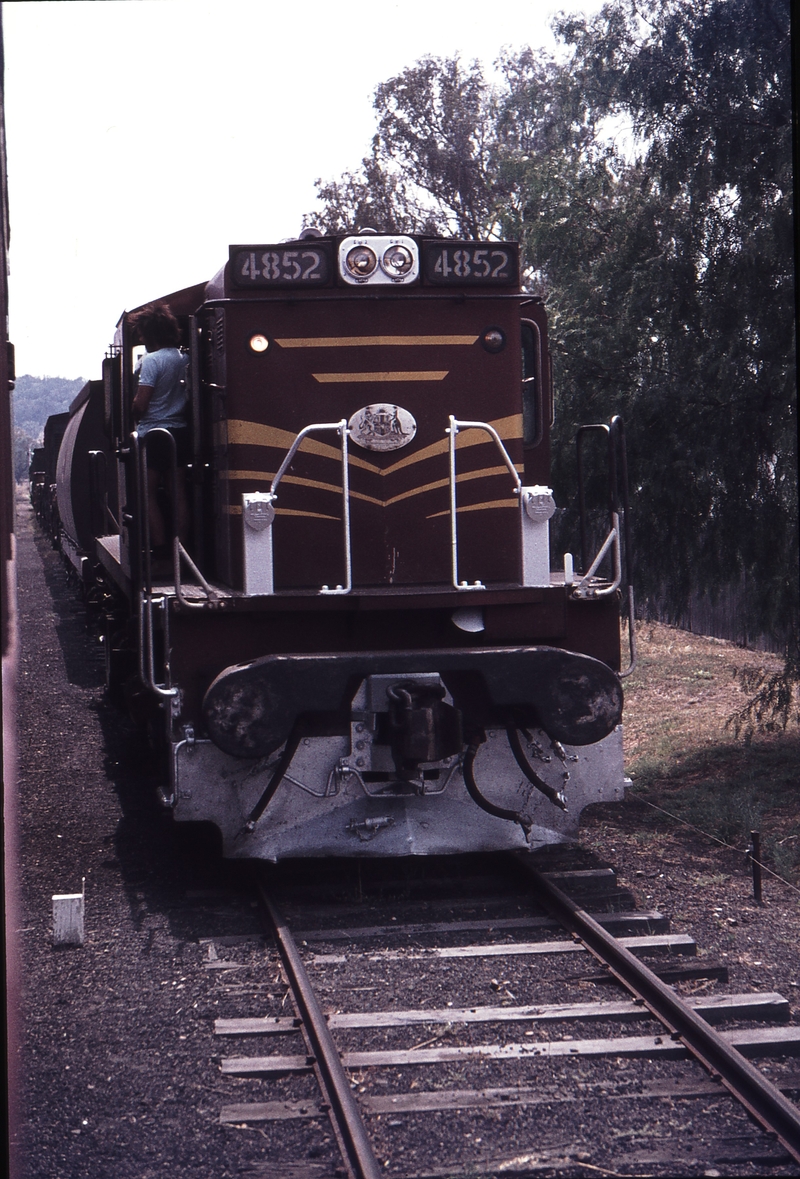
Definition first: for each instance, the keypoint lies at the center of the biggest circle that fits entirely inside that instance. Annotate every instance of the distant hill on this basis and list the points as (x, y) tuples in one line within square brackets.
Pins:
[(35, 398)]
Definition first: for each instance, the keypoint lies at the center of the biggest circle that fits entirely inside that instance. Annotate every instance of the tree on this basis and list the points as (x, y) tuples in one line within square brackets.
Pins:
[(433, 165), (704, 304), (22, 447)]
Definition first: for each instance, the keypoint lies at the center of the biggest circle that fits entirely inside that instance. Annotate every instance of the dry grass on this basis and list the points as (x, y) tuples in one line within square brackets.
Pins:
[(683, 691), (682, 755)]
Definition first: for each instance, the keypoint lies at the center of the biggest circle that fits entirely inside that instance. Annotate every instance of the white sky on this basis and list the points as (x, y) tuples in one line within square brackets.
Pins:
[(145, 136)]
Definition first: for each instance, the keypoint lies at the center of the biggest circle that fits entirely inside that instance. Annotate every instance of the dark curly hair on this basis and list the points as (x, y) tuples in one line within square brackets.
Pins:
[(157, 326)]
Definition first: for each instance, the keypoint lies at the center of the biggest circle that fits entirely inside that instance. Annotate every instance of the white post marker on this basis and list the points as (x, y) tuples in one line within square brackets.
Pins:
[(68, 917)]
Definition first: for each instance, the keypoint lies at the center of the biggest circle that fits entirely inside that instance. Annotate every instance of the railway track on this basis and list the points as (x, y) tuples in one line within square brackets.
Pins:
[(584, 1059)]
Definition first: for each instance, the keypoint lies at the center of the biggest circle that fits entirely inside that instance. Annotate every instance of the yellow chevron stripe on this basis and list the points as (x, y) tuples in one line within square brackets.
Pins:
[(372, 341), (243, 433), (497, 503), (254, 434), (508, 428), (377, 378), (236, 510), (266, 477), (465, 478)]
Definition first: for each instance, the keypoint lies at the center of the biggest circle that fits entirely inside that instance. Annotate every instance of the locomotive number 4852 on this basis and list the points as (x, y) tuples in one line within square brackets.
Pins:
[(469, 264), (282, 266)]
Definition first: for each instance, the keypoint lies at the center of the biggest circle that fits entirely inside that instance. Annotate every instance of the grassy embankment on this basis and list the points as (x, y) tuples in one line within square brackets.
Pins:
[(682, 757)]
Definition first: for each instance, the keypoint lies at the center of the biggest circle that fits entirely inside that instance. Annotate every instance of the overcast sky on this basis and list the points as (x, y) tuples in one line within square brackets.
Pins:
[(144, 136)]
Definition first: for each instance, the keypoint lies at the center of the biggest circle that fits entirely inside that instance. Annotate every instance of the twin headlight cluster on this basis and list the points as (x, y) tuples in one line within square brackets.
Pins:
[(377, 260)]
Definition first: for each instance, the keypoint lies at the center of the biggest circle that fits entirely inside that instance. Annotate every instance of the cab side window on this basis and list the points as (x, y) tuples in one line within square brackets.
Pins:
[(531, 393)]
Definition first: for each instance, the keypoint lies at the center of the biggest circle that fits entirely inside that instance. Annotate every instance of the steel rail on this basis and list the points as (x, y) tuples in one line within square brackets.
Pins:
[(763, 1100), (348, 1120)]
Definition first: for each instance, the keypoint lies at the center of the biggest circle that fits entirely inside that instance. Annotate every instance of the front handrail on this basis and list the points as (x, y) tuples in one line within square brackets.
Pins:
[(147, 645), (147, 599), (341, 428), (618, 539), (453, 429), (179, 551), (584, 588)]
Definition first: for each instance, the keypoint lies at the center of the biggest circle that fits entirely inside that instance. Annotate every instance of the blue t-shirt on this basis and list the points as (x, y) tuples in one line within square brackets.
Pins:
[(165, 370)]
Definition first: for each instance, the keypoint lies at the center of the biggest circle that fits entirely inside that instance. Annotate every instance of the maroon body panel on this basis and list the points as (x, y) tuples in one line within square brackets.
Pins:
[(326, 361)]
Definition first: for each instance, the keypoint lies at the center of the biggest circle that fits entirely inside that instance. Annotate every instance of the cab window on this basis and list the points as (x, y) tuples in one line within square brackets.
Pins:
[(531, 395)]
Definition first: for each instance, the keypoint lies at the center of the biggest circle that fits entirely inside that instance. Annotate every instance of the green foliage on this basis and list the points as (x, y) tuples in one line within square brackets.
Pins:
[(689, 277), (773, 702), (784, 853), (727, 790), (35, 398), (648, 175), (22, 445), (432, 157), (702, 345)]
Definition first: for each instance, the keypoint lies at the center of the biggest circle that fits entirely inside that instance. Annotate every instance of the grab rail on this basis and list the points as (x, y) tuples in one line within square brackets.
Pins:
[(341, 428), (618, 540), (147, 599), (453, 429)]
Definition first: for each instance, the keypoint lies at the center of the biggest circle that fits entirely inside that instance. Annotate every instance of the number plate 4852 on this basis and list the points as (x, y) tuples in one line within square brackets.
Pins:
[(458, 263)]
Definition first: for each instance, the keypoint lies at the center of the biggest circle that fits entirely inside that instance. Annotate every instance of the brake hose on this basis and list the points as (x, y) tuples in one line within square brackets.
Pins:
[(555, 796), (469, 780), (276, 779)]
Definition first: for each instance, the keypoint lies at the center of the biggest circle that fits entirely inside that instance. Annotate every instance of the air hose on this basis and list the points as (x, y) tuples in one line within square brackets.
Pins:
[(469, 780), (555, 796), (277, 777)]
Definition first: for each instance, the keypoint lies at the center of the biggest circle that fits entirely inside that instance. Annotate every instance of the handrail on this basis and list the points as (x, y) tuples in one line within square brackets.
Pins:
[(631, 637), (179, 551), (583, 589), (146, 598), (341, 428), (147, 645), (618, 505), (453, 429)]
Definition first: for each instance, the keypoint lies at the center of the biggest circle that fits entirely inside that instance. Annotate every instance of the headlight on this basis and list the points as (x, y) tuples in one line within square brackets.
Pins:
[(259, 343), (361, 261), (397, 261), (493, 340)]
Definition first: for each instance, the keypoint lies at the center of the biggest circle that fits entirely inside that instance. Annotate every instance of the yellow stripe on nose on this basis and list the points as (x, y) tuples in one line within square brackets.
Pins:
[(373, 341), (369, 378)]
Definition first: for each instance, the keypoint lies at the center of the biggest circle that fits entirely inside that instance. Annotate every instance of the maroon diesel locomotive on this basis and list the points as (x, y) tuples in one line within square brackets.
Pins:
[(364, 646)]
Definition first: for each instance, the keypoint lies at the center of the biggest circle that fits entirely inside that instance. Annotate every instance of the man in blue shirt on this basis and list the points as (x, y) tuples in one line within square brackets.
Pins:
[(161, 403)]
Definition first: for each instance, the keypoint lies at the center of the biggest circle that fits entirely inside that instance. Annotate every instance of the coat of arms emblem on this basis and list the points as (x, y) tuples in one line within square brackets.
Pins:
[(382, 427), (258, 510)]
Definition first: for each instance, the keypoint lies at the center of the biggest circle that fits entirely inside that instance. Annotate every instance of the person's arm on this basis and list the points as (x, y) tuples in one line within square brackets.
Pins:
[(141, 401)]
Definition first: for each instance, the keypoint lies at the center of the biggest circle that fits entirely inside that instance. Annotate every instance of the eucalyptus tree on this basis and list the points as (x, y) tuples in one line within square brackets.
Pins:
[(701, 279)]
